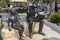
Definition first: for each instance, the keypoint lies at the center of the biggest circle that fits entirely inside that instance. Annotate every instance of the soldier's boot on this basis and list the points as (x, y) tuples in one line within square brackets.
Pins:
[(21, 36), (41, 28), (30, 30)]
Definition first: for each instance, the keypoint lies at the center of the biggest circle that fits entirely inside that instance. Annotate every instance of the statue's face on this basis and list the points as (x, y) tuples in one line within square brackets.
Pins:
[(13, 12)]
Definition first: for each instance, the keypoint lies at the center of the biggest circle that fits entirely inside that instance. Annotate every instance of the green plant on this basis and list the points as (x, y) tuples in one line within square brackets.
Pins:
[(55, 18), (23, 3), (21, 11), (1, 10), (0, 37), (45, 39), (0, 29), (0, 32), (34, 33), (4, 2)]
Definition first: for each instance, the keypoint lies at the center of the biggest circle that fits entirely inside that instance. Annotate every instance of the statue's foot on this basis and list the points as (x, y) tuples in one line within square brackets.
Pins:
[(21, 39), (42, 33), (30, 36)]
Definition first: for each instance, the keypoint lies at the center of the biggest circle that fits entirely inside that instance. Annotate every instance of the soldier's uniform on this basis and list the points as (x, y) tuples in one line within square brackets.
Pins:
[(30, 18), (39, 17), (41, 22)]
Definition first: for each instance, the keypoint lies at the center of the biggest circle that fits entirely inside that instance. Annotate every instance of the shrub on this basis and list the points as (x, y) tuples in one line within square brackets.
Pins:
[(21, 11), (55, 18), (1, 10)]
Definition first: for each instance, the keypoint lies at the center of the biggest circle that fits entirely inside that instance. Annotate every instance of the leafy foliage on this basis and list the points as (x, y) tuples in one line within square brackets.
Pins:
[(23, 3), (1, 10), (0, 37), (0, 32), (4, 2), (21, 11), (55, 18)]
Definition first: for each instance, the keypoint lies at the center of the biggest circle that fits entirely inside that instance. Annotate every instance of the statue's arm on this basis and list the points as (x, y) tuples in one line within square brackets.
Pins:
[(9, 27), (18, 20)]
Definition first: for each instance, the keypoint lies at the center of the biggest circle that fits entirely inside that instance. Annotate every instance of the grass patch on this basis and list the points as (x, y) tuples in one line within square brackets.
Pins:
[(0, 37), (45, 39), (0, 32), (34, 33)]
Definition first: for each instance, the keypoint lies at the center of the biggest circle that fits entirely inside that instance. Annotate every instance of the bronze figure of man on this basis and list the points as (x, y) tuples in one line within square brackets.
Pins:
[(15, 23), (30, 16)]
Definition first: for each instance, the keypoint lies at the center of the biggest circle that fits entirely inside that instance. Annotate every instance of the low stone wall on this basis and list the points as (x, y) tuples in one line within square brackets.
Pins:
[(35, 26), (52, 26)]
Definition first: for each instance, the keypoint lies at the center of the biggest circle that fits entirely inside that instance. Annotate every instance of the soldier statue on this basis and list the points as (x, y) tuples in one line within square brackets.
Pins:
[(41, 22), (31, 12), (14, 22), (39, 18), (30, 16)]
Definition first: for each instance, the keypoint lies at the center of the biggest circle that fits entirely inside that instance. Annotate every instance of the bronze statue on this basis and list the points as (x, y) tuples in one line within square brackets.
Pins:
[(30, 16), (41, 22), (15, 23), (31, 12)]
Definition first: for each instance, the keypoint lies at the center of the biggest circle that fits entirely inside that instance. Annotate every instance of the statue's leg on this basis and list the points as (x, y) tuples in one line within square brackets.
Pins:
[(40, 26), (41, 22), (30, 30), (21, 32), (30, 22), (21, 29)]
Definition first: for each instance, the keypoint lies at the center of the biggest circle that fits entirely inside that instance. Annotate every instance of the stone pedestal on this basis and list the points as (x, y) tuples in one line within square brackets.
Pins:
[(9, 35), (35, 26), (26, 30), (13, 34)]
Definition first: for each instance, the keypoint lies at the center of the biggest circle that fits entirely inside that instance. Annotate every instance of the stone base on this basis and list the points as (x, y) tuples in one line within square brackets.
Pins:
[(35, 26), (14, 34), (10, 35)]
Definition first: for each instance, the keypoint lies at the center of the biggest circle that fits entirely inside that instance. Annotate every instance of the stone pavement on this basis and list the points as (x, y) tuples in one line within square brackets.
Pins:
[(50, 33)]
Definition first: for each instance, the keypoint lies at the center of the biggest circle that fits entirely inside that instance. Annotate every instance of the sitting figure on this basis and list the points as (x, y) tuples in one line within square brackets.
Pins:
[(14, 22)]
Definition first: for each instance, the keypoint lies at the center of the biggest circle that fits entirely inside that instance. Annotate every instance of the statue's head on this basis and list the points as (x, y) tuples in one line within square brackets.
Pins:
[(35, 3), (36, 0), (13, 12)]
